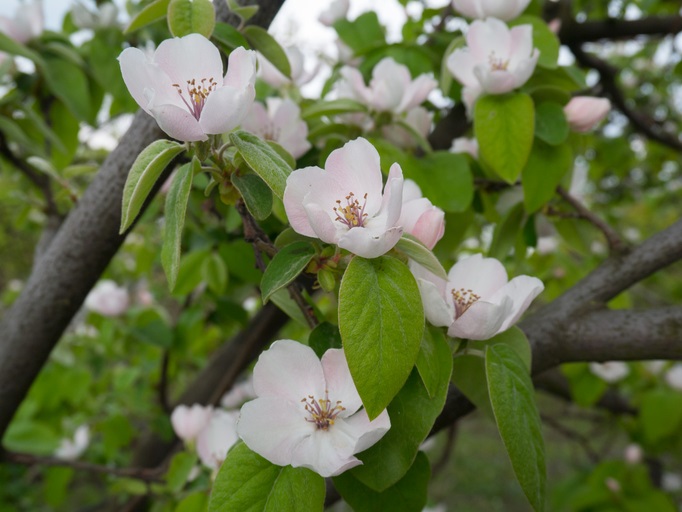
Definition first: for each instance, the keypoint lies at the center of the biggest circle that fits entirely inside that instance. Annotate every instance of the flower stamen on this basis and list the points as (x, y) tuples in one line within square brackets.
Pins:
[(497, 64), (352, 215), (321, 411), (198, 93), (463, 300)]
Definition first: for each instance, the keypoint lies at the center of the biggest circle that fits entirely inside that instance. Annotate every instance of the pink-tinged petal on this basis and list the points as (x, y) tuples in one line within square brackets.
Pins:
[(417, 92), (355, 168), (495, 81), (465, 145), (583, 112), (257, 120), (295, 139), (217, 438), (461, 64), (337, 10), (482, 275), (481, 321), (411, 190), (438, 312), (525, 68), (388, 85), (367, 433), (241, 69), (522, 290), (469, 97), (327, 452), (521, 44), (192, 57), (299, 184), (178, 123), (188, 422), (321, 221), (503, 9), (368, 244), (469, 8), (489, 38), (274, 428), (288, 370), (138, 73), (225, 109), (339, 381), (284, 113), (430, 225), (354, 85), (392, 201)]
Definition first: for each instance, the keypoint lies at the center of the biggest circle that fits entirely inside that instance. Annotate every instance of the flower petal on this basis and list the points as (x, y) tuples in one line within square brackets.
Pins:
[(327, 452), (321, 222), (241, 69), (461, 64), (489, 38), (417, 92), (290, 371), (482, 275), (368, 243), (339, 381), (140, 75), (217, 438), (300, 183), (438, 312), (225, 109), (392, 201), (482, 320), (367, 433), (522, 290), (192, 57), (177, 123)]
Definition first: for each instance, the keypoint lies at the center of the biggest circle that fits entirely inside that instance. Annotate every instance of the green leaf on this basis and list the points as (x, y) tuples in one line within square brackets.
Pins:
[(323, 337), (504, 127), (412, 413), (176, 206), (433, 350), (332, 108), (408, 494), (190, 273), (381, 319), (543, 39), (264, 160), (229, 36), (9, 45), (68, 83), (550, 123), (245, 12), (362, 34), (513, 400), (30, 437), (146, 169), (256, 194), (214, 273), (260, 40), (544, 171), (246, 481), (13, 132), (445, 178), (151, 326), (285, 267), (190, 17), (286, 156), (282, 299), (195, 502), (178, 471), (152, 12), (506, 232), (415, 250), (660, 414)]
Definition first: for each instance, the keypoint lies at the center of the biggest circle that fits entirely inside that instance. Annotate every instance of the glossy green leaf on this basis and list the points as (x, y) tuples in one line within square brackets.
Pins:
[(260, 40), (190, 274), (12, 131), (214, 272), (195, 502), (152, 12), (179, 469), (68, 82), (408, 494), (246, 481), (245, 12), (550, 123), (444, 177), (513, 401), (332, 108), (544, 171), (229, 36), (256, 194), (285, 267), (544, 40), (506, 232), (176, 206), (264, 160), (146, 169), (323, 337), (415, 250), (9, 45), (660, 414), (434, 349), (191, 17), (381, 319), (412, 413), (504, 125), (362, 34)]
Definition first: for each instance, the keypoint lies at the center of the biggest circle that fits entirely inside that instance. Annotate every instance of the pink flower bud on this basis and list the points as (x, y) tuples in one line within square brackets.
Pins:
[(583, 113), (188, 422)]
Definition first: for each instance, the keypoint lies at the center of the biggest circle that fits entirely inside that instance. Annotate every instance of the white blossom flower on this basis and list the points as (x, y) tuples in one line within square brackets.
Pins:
[(308, 412), (465, 145), (583, 113), (240, 393), (26, 24), (344, 204), (419, 217), (108, 299), (336, 11), (633, 454), (188, 422), (496, 60), (104, 16), (674, 377), (610, 371), (280, 122), (391, 88), (217, 437), (501, 9), (182, 86), (275, 78), (71, 449), (476, 302)]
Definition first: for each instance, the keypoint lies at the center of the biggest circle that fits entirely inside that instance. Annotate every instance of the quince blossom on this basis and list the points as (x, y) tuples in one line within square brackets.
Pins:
[(281, 122), (418, 118), (501, 9), (391, 88), (583, 113), (188, 422), (217, 437), (26, 24), (336, 11), (182, 86), (274, 77), (477, 301), (308, 412), (108, 299), (419, 217), (344, 204), (610, 371), (72, 449), (496, 60), (465, 145)]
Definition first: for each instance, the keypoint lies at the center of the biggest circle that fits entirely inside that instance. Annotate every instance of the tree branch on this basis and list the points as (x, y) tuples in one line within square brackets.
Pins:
[(573, 32)]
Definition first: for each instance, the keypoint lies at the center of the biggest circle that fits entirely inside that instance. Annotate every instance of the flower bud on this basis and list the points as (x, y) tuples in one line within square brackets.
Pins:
[(583, 113)]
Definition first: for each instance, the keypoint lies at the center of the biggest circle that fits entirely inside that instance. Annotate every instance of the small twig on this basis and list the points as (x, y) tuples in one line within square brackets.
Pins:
[(616, 243), (163, 383), (492, 185), (439, 465), (144, 474), (583, 441)]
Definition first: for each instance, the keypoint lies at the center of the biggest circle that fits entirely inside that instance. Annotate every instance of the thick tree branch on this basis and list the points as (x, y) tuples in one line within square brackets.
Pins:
[(573, 32)]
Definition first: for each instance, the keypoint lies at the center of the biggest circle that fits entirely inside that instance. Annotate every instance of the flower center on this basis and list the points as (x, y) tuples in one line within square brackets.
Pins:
[(463, 300), (321, 412), (271, 132), (497, 64), (352, 215), (198, 91)]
